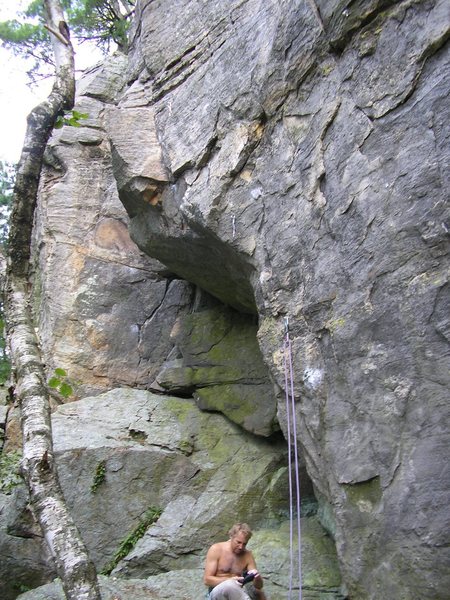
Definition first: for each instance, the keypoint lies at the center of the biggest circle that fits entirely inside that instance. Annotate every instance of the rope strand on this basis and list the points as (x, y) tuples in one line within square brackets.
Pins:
[(292, 424), (291, 503)]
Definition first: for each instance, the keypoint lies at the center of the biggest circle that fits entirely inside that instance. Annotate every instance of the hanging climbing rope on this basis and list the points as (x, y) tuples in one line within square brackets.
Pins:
[(292, 441)]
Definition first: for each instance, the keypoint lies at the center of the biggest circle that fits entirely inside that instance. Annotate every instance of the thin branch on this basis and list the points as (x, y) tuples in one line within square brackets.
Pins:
[(57, 34)]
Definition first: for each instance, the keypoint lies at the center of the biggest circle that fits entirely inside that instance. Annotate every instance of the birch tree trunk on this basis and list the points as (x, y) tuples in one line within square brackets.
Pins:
[(73, 565)]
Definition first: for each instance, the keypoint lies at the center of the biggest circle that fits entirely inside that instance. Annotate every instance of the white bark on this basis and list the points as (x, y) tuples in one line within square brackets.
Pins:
[(73, 565)]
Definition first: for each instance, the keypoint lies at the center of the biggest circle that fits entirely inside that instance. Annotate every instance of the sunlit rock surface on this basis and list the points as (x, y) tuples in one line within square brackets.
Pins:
[(104, 310)]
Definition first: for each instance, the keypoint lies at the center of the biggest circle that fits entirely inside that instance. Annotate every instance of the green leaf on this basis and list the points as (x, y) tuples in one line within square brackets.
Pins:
[(65, 390), (60, 372), (79, 115), (54, 382)]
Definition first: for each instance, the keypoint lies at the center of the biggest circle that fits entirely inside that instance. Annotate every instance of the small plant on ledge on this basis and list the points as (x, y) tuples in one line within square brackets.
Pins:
[(60, 382), (151, 515), (99, 476)]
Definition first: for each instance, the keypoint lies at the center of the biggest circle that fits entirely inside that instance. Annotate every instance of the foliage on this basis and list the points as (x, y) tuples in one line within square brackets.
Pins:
[(151, 515), (7, 175), (70, 118), (5, 363), (99, 476), (60, 382), (10, 475), (103, 22), (27, 37), (22, 588)]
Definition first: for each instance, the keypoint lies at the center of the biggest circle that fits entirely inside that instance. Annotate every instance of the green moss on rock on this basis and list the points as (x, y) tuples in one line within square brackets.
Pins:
[(180, 408), (364, 495)]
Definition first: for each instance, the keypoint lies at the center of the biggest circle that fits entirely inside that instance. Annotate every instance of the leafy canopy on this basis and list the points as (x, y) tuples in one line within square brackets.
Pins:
[(7, 175), (103, 22)]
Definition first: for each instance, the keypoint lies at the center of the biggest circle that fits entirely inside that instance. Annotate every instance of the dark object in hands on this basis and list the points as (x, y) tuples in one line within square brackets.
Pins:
[(247, 577)]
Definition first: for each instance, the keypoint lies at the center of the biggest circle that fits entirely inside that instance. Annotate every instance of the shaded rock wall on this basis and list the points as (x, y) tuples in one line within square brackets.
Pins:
[(304, 147), (219, 363), (25, 559)]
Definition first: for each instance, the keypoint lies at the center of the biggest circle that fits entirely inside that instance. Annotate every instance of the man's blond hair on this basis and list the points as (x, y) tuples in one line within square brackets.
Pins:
[(240, 527)]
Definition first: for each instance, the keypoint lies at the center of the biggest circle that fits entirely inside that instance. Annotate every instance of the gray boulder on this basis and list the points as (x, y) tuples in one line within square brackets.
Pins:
[(125, 451)]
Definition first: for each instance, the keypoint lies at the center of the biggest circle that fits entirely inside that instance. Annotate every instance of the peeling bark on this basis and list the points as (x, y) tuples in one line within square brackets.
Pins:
[(73, 565)]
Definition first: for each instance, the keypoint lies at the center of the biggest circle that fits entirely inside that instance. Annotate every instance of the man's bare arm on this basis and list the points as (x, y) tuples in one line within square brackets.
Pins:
[(251, 567)]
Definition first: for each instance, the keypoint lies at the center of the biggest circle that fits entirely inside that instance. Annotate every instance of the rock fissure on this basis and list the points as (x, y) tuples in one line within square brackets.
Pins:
[(358, 22)]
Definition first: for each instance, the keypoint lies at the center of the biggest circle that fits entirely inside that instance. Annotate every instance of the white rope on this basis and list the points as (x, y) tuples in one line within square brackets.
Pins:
[(291, 503), (292, 424)]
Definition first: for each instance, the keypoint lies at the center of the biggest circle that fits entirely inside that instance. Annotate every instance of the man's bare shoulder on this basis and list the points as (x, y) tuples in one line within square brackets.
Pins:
[(217, 548)]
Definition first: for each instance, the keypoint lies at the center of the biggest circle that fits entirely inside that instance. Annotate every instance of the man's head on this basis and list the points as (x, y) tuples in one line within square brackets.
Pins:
[(239, 534)]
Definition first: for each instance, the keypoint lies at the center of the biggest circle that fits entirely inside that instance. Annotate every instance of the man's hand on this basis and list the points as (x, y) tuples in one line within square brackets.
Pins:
[(249, 576)]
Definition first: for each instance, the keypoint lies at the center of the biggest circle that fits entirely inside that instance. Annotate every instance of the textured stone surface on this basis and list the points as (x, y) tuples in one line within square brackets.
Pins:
[(25, 560), (162, 451), (291, 159), (83, 248), (222, 366), (306, 146), (321, 577), (13, 432), (185, 584)]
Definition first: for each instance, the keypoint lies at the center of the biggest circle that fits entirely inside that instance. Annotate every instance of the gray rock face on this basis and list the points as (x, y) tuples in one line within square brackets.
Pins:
[(83, 247), (25, 559), (305, 147), (162, 452), (221, 365), (291, 159)]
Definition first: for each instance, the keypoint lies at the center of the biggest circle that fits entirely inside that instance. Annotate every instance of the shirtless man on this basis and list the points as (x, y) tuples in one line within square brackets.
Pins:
[(225, 563)]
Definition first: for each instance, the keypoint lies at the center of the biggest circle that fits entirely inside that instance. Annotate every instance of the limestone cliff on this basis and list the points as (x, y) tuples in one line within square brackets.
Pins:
[(288, 159)]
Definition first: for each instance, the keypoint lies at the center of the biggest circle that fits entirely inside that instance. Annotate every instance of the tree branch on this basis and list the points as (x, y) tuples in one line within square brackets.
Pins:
[(57, 34)]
